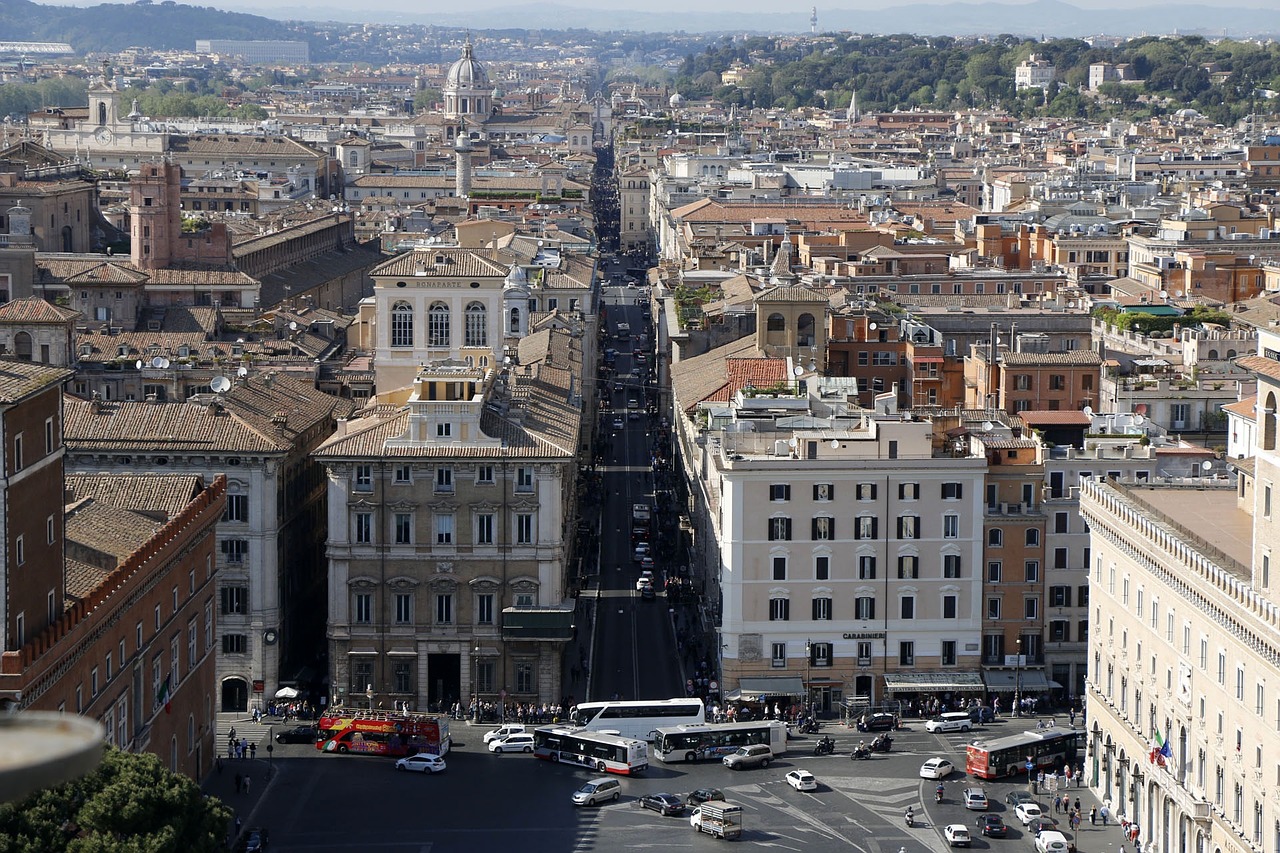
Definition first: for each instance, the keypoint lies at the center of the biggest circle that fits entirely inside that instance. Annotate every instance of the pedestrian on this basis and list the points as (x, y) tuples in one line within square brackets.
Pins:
[(1071, 715), (1104, 814), (1093, 816), (1137, 846), (239, 783), (253, 750), (1077, 805), (237, 826), (247, 780)]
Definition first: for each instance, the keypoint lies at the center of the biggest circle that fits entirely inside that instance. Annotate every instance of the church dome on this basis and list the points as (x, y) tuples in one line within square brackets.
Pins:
[(467, 72)]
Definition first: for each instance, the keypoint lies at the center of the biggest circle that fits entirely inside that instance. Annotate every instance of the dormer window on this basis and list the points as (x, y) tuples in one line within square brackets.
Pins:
[(122, 351)]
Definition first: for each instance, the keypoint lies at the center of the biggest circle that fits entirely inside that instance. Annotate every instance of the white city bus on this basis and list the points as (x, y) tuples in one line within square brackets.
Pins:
[(596, 750), (715, 740), (639, 719)]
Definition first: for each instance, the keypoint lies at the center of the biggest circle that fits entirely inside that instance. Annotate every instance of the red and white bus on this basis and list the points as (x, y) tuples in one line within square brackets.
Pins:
[(382, 732), (1045, 749), (603, 752)]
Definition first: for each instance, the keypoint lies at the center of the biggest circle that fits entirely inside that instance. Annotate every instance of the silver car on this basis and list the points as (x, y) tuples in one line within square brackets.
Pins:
[(755, 755)]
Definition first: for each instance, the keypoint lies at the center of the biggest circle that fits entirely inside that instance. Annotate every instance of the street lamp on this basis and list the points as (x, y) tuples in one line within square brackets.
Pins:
[(808, 659), (271, 758), (1017, 680), (475, 684)]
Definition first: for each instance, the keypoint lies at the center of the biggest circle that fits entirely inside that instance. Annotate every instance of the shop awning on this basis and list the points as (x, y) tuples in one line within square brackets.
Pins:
[(760, 687), (914, 682), (1007, 681), (927, 359)]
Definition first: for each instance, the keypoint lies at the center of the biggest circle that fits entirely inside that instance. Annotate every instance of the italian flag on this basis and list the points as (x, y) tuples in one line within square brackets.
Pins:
[(164, 695)]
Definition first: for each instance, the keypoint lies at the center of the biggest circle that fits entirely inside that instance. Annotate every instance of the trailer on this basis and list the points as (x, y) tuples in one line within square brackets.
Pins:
[(718, 818)]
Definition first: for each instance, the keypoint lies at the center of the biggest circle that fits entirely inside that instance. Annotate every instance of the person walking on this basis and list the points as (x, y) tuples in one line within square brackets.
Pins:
[(1077, 805), (253, 750), (1093, 815), (247, 780)]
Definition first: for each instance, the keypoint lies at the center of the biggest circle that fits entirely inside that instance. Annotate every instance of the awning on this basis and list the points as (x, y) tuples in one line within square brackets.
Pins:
[(927, 359), (536, 623), (912, 682), (1008, 680), (758, 688)]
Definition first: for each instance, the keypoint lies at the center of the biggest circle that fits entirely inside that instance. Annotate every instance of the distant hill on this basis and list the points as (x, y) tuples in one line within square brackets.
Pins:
[(1038, 17), (107, 27)]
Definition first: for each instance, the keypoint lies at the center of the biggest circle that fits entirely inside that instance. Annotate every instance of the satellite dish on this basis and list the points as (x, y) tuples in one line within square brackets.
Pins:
[(157, 362), (987, 426), (293, 325), (1206, 465), (798, 370), (242, 372), (1164, 294), (164, 362), (138, 364), (1088, 411), (835, 444), (793, 443), (220, 384), (1139, 420), (873, 326)]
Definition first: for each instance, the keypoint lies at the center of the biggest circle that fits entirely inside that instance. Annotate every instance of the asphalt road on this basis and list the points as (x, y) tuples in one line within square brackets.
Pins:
[(483, 802)]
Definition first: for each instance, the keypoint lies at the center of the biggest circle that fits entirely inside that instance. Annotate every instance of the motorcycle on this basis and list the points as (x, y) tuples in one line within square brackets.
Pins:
[(809, 727), (860, 753), (883, 743), (911, 819), (824, 746), (937, 796)]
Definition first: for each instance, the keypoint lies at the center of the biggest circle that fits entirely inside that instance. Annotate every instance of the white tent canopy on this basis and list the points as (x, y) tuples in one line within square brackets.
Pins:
[(287, 693)]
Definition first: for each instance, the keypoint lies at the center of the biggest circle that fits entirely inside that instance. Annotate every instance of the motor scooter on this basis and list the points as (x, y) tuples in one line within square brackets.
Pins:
[(824, 746), (911, 818), (882, 743), (860, 753)]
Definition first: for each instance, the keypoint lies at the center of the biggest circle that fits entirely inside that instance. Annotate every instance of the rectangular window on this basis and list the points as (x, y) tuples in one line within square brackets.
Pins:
[(866, 527), (1032, 569), (444, 609), (237, 508), (823, 492), (864, 608), (524, 528), (444, 480), (780, 492), (364, 528), (364, 608), (484, 475), (1059, 558), (778, 655), (484, 608), (1031, 608), (1060, 631), (993, 571), (908, 491), (908, 567), (779, 609), (907, 526), (906, 653), (823, 528), (444, 529), (867, 567), (948, 652), (402, 677), (864, 652), (907, 607), (403, 474), (821, 609), (524, 479), (1059, 596), (951, 565), (866, 491), (1060, 522), (404, 528), (235, 599), (993, 608), (484, 529), (404, 608), (949, 607), (779, 568), (235, 550), (363, 478), (950, 526), (234, 644), (820, 654), (17, 452), (779, 529), (822, 568), (952, 491)]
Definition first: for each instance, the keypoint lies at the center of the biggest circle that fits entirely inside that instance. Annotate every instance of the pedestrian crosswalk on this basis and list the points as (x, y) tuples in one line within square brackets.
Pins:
[(245, 728)]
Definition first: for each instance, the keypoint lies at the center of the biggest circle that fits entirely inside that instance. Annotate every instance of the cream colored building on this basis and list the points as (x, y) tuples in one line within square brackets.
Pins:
[(849, 557), (1184, 646)]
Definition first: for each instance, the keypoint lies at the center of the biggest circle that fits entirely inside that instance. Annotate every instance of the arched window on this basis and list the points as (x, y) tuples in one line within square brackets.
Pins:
[(804, 330), (776, 323), (477, 334), (1213, 355), (995, 538), (514, 327), (1033, 537), (1231, 353), (438, 325), (402, 325), (1268, 422)]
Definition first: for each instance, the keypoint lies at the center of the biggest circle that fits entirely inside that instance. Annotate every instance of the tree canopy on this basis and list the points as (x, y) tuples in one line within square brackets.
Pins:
[(129, 804)]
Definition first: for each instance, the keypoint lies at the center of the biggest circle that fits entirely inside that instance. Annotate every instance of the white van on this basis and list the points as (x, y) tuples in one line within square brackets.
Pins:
[(1050, 841), (597, 791)]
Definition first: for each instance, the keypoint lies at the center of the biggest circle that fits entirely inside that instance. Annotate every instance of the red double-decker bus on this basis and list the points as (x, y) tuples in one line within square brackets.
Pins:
[(382, 732)]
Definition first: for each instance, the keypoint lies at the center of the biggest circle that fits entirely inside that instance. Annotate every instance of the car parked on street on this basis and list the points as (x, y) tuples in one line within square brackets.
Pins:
[(423, 762)]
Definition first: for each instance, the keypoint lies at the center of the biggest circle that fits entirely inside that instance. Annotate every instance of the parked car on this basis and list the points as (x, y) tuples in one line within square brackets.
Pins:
[(255, 840), (702, 795), (666, 804), (1052, 842), (982, 714), (1017, 798), (512, 743), (648, 593), (992, 826), (297, 734), (802, 780), (936, 768), (975, 798), (597, 791), (423, 762), (957, 834), (503, 731), (755, 755), (1044, 823), (645, 579)]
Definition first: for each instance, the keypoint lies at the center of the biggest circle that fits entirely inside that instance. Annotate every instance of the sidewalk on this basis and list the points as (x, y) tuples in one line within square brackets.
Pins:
[(221, 783)]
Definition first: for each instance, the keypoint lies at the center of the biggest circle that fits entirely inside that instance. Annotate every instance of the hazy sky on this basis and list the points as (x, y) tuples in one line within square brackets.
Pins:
[(265, 6)]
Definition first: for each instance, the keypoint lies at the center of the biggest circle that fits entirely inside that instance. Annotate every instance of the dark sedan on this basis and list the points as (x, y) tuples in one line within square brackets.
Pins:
[(667, 804), (297, 734), (992, 826), (1044, 823), (702, 795)]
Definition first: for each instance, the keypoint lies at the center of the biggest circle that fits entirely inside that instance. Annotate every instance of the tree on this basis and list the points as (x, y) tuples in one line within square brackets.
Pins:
[(129, 803)]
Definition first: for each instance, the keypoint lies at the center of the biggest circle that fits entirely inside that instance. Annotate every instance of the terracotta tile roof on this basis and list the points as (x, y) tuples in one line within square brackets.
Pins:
[(1261, 365), (1078, 358), (131, 426), (33, 309), (159, 496), (241, 145), (456, 263), (705, 376), (1047, 417), (88, 270), (1244, 407), (82, 579), (19, 379), (789, 293), (103, 529)]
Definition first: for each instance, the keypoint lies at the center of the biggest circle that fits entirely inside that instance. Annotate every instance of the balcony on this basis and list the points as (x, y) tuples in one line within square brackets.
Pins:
[(1191, 805)]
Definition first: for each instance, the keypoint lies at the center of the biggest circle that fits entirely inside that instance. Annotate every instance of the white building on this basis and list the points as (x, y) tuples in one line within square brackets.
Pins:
[(1034, 73)]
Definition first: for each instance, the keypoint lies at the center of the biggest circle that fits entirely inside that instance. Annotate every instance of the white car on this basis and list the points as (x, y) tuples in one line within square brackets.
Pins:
[(957, 834), (936, 768), (499, 733), (802, 780), (1051, 841), (949, 723), (423, 762), (512, 743), (1027, 812), (645, 579)]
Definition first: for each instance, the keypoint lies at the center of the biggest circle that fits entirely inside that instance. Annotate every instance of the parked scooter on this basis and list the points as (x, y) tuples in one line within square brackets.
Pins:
[(824, 746), (882, 743)]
